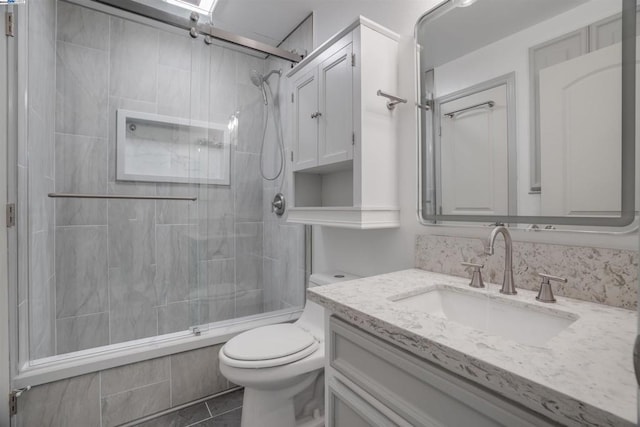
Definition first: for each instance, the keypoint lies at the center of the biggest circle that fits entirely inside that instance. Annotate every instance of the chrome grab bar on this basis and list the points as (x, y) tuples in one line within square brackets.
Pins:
[(489, 104), (393, 100), (116, 196)]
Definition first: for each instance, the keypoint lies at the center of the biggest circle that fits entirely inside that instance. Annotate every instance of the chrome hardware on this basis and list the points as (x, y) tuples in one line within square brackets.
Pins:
[(508, 286), (393, 100), (426, 107), (193, 32), (636, 358), (545, 294), (13, 399), (194, 17), (116, 196), (278, 205), (316, 115), (488, 104), (196, 331), (476, 277), (11, 215), (208, 39), (9, 24)]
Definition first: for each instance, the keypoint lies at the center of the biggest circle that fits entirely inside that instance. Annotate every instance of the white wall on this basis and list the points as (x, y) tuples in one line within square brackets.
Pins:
[(374, 252)]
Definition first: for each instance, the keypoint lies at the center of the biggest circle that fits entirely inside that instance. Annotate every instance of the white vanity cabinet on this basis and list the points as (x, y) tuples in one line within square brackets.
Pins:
[(344, 171), (371, 382)]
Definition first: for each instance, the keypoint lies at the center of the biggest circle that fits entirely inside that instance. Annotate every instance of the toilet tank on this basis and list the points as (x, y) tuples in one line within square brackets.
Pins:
[(319, 279), (312, 318)]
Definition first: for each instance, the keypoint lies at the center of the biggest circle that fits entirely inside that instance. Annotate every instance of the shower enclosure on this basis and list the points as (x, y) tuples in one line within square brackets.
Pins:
[(144, 215)]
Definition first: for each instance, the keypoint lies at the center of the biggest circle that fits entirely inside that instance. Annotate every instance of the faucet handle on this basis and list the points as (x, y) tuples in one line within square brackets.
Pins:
[(476, 277), (545, 294)]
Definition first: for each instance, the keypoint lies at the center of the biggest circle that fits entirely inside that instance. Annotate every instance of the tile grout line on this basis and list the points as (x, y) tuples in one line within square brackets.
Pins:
[(135, 388), (213, 417), (100, 396), (108, 18)]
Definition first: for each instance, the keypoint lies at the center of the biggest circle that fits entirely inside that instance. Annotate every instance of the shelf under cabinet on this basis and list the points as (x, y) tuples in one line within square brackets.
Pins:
[(346, 217)]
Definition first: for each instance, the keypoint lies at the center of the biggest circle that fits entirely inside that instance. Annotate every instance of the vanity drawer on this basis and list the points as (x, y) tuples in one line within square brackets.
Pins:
[(351, 407), (418, 391)]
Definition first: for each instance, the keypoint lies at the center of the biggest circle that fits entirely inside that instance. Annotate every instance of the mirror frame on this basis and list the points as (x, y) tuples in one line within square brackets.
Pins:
[(627, 213)]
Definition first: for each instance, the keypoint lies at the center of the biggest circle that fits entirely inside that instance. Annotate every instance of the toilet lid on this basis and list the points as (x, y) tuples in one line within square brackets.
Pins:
[(269, 342)]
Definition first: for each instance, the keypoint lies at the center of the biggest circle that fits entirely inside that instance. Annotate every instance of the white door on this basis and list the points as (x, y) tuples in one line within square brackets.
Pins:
[(305, 120), (474, 155), (335, 142), (580, 135)]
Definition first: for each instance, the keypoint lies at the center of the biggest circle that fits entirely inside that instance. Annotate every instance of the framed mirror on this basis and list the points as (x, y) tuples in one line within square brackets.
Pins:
[(527, 112)]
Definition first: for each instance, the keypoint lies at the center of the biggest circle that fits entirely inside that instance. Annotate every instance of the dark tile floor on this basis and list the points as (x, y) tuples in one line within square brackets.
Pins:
[(222, 411)]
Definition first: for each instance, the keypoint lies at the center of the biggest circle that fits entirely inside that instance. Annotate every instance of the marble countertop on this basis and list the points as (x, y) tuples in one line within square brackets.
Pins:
[(582, 376)]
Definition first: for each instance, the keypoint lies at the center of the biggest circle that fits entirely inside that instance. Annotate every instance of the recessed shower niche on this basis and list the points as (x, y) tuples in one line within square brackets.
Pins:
[(157, 148)]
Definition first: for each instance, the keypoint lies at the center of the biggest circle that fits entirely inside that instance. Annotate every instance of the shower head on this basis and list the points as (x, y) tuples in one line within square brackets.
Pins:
[(259, 80), (256, 78)]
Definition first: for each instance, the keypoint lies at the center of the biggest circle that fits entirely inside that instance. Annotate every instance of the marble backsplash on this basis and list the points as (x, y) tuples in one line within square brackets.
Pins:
[(606, 276)]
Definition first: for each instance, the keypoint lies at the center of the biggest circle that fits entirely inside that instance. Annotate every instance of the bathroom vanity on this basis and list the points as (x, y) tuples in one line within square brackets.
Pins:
[(421, 348)]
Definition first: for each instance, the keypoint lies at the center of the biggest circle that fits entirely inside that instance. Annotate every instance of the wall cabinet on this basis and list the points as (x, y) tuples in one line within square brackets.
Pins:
[(344, 137), (365, 372)]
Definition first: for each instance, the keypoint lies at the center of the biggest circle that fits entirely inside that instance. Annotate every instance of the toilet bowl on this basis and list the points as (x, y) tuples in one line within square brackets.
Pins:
[(275, 363)]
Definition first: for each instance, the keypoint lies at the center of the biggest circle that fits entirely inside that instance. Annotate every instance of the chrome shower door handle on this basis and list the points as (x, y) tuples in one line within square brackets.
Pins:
[(316, 115)]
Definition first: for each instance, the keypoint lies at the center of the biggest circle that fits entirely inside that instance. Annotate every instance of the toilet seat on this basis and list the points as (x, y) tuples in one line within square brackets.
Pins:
[(269, 346)]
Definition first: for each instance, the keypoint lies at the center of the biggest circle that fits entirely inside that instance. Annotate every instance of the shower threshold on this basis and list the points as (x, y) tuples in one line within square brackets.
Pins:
[(69, 365)]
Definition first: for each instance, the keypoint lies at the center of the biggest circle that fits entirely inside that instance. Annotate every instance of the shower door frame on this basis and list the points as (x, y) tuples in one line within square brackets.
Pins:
[(7, 308), (11, 83)]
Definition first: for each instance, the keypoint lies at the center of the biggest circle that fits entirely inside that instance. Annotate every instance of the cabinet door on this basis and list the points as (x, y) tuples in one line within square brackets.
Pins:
[(335, 142), (305, 122), (580, 135), (474, 153)]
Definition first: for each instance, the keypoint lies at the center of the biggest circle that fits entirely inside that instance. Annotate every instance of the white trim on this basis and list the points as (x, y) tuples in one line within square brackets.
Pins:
[(82, 362), (346, 217), (331, 41)]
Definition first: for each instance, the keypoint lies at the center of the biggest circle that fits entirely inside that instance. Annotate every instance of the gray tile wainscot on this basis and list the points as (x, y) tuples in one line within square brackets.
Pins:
[(581, 377)]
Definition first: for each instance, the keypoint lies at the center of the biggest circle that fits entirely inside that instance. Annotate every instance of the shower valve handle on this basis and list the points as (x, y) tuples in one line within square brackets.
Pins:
[(316, 115)]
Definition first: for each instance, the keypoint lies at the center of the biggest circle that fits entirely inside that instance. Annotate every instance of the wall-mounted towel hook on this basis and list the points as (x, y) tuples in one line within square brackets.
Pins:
[(393, 100)]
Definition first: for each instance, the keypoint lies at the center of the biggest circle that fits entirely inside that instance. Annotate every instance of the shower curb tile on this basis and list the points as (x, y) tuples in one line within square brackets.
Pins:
[(196, 374), (132, 404), (136, 375)]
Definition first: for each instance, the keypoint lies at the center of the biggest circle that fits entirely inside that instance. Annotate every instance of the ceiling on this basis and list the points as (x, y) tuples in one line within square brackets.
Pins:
[(486, 21), (270, 21)]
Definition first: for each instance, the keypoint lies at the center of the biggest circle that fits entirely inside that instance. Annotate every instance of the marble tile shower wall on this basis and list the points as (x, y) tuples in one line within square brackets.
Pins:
[(128, 269), (284, 263), (606, 276)]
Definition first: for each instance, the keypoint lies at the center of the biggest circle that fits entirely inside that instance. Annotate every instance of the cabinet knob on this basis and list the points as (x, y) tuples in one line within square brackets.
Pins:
[(316, 115)]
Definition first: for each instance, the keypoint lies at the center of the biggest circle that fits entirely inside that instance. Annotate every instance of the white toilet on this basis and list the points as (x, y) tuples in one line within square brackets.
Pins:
[(275, 363)]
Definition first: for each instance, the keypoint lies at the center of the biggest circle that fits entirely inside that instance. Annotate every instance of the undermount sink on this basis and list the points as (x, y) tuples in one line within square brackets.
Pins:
[(495, 315)]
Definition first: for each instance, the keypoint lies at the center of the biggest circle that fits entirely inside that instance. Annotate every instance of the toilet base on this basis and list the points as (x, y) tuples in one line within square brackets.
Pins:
[(273, 408)]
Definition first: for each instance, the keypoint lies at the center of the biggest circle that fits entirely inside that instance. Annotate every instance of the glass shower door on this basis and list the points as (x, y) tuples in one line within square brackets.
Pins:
[(148, 213), (105, 262)]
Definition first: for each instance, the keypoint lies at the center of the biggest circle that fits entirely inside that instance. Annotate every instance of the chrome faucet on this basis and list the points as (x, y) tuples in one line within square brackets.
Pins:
[(508, 286)]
